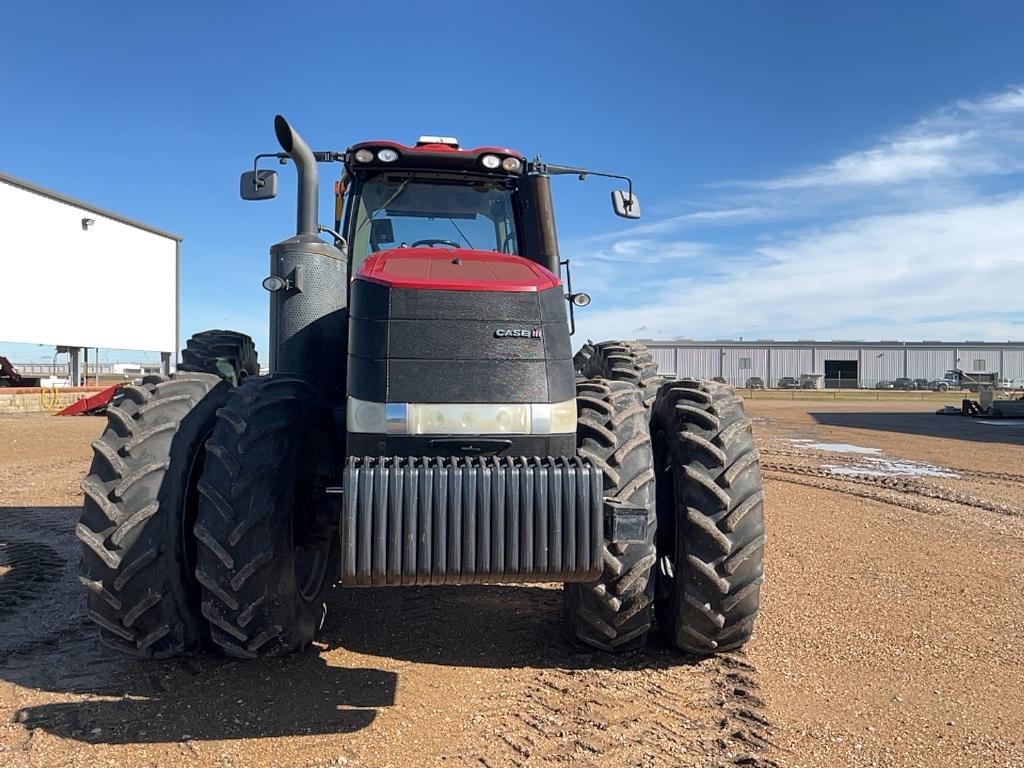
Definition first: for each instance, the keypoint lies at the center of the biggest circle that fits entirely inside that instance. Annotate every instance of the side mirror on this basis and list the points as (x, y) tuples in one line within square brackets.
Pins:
[(626, 205), (258, 185)]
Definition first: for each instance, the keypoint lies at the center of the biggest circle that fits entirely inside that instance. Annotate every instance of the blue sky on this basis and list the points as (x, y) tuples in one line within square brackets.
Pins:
[(807, 169)]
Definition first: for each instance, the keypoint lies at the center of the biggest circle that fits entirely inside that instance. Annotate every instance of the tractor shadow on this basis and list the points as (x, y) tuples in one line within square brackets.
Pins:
[(1009, 431), (48, 644), (488, 626)]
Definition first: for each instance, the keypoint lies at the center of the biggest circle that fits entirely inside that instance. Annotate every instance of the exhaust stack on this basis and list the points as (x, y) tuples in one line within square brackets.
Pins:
[(309, 319), (305, 164)]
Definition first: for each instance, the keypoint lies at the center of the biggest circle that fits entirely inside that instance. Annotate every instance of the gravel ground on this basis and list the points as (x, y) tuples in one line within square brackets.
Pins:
[(890, 635)]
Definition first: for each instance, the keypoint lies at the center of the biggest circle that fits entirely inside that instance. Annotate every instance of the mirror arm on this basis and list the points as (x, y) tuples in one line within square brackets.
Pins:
[(257, 181), (282, 158), (568, 296), (539, 166)]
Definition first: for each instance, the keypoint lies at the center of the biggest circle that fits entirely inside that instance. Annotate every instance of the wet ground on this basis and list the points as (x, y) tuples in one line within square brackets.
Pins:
[(891, 633)]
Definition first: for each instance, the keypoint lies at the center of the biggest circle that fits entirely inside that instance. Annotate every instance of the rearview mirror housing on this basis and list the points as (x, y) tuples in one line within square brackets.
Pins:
[(381, 231), (626, 205), (258, 185)]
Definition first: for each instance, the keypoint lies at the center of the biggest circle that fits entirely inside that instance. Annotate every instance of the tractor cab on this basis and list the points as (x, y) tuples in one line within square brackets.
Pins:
[(432, 195)]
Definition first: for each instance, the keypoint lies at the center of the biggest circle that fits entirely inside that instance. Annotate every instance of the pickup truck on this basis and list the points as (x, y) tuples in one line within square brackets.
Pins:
[(958, 380)]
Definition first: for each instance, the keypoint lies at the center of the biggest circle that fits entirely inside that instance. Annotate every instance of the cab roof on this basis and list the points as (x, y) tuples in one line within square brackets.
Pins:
[(436, 149)]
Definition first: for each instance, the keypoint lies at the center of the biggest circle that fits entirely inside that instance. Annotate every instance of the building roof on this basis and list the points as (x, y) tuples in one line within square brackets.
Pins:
[(833, 343), (27, 185)]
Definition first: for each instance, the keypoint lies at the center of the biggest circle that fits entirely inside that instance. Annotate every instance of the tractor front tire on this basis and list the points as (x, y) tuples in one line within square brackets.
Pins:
[(614, 613), (710, 517), (228, 354), (139, 508), (622, 361), (267, 541)]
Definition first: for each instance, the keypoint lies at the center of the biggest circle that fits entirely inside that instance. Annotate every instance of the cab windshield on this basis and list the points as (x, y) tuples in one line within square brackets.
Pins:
[(405, 210)]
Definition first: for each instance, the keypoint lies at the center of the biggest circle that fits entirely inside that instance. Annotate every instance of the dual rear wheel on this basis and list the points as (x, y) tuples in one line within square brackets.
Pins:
[(205, 517), (266, 543), (700, 565)]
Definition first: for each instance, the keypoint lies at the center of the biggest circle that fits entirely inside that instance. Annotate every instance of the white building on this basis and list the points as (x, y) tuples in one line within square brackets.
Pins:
[(836, 363), (78, 277)]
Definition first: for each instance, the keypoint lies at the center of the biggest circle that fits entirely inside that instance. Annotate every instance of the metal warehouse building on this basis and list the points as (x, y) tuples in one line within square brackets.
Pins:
[(835, 363)]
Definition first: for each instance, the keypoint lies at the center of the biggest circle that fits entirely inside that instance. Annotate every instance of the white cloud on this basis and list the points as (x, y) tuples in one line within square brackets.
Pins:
[(1010, 101), (900, 160), (650, 250), (967, 139), (938, 274)]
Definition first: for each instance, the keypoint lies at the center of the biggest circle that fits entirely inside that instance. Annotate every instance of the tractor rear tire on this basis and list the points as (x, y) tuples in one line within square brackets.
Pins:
[(267, 543), (710, 517), (228, 354), (140, 502), (624, 361), (614, 613), (581, 358)]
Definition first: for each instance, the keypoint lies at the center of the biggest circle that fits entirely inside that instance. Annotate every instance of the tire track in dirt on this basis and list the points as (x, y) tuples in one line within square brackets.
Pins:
[(980, 474), (771, 449), (556, 705), (744, 729), (643, 711), (898, 489)]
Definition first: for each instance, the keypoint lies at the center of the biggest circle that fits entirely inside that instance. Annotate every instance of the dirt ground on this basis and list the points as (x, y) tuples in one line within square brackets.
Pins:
[(891, 633)]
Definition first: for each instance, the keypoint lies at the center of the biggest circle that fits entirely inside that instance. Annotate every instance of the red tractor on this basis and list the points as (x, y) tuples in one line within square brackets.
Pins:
[(424, 421)]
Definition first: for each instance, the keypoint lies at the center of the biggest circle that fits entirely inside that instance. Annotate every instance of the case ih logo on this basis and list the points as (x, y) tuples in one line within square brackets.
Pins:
[(517, 333)]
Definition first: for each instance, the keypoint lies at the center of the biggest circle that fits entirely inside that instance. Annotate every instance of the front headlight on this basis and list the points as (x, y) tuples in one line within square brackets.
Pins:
[(563, 417), (461, 418), (468, 419), (364, 416)]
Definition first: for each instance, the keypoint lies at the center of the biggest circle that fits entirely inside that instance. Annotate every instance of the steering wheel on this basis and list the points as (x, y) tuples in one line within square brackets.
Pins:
[(432, 242)]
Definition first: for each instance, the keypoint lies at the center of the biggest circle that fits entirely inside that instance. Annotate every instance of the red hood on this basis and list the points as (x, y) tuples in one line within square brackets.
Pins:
[(444, 269)]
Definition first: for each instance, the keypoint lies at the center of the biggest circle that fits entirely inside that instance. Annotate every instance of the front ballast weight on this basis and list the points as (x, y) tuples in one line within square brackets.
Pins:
[(419, 521)]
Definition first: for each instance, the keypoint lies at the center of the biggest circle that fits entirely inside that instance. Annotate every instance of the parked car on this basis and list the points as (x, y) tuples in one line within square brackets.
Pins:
[(922, 384), (755, 382), (810, 380), (903, 383), (885, 385), (787, 382)]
